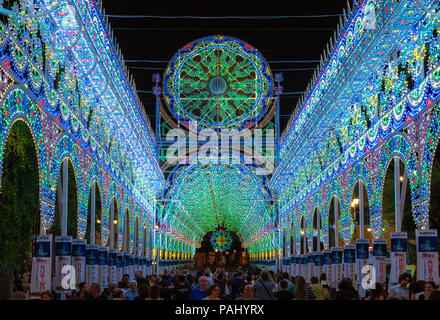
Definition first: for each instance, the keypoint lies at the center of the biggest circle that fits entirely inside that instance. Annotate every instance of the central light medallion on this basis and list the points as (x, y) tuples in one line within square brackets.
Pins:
[(217, 86), (218, 82)]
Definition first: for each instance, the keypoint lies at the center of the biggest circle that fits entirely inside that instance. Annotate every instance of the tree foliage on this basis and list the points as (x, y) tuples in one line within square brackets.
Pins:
[(19, 199)]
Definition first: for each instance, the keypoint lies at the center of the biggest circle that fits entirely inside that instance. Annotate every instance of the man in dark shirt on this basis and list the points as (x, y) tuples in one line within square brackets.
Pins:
[(236, 283), (181, 290), (94, 293), (284, 294)]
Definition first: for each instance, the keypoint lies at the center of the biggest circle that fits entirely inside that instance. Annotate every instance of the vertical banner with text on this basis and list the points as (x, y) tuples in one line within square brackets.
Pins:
[(327, 262), (427, 255), (103, 267), (362, 254), (399, 243), (63, 258), (92, 263), (119, 266), (79, 259), (349, 262), (380, 260), (41, 275), (336, 266), (112, 265)]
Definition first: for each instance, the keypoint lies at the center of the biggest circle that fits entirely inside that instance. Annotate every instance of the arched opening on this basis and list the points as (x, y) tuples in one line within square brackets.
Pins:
[(359, 203), (389, 207), (208, 255), (96, 223), (144, 240), (72, 202), (127, 231), (115, 222), (136, 236), (303, 238), (292, 239), (434, 203), (317, 227), (19, 205), (284, 244), (333, 217), (150, 243)]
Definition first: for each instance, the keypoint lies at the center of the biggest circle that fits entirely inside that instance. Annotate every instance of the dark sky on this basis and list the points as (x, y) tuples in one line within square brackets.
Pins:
[(276, 39)]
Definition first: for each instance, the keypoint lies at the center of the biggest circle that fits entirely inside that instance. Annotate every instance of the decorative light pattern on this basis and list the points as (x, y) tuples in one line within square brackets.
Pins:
[(368, 104), (219, 82), (221, 240)]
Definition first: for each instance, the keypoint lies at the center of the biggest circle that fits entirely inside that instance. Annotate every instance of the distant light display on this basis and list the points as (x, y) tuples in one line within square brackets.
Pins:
[(221, 240)]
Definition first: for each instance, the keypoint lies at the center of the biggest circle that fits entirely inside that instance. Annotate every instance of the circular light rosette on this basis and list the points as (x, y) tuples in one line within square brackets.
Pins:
[(218, 82)]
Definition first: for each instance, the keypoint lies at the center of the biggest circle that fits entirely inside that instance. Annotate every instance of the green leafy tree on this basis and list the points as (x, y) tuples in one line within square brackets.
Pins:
[(19, 201)]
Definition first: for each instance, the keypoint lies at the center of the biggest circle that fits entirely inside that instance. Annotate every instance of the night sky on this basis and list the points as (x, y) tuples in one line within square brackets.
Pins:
[(276, 39)]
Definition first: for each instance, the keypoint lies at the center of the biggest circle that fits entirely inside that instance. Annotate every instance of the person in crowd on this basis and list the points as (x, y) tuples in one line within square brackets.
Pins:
[(132, 292), (123, 284), (430, 287), (416, 289), (199, 291), (165, 292), (434, 295), (401, 289), (284, 293), (118, 294), (181, 290), (83, 288), (109, 290), (346, 290), (154, 293), (247, 292), (213, 292), (264, 287), (317, 288), (219, 279), (94, 293), (377, 293), (235, 284), (302, 290), (140, 279), (46, 295), (143, 292)]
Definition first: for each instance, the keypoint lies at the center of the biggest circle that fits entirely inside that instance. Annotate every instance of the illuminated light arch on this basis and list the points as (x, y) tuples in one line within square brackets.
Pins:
[(17, 106), (94, 174), (432, 142), (67, 149), (399, 147), (360, 172)]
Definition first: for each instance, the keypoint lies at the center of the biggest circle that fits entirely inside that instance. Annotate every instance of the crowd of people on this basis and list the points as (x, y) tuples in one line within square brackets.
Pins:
[(244, 283)]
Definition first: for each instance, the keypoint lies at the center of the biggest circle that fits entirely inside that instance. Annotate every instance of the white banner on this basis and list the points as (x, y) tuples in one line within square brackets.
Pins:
[(119, 266), (112, 266), (327, 262), (41, 275), (126, 265), (427, 255), (79, 259), (398, 256), (336, 266), (362, 255), (63, 258), (311, 266), (349, 256), (92, 263), (103, 267), (319, 264), (380, 260)]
